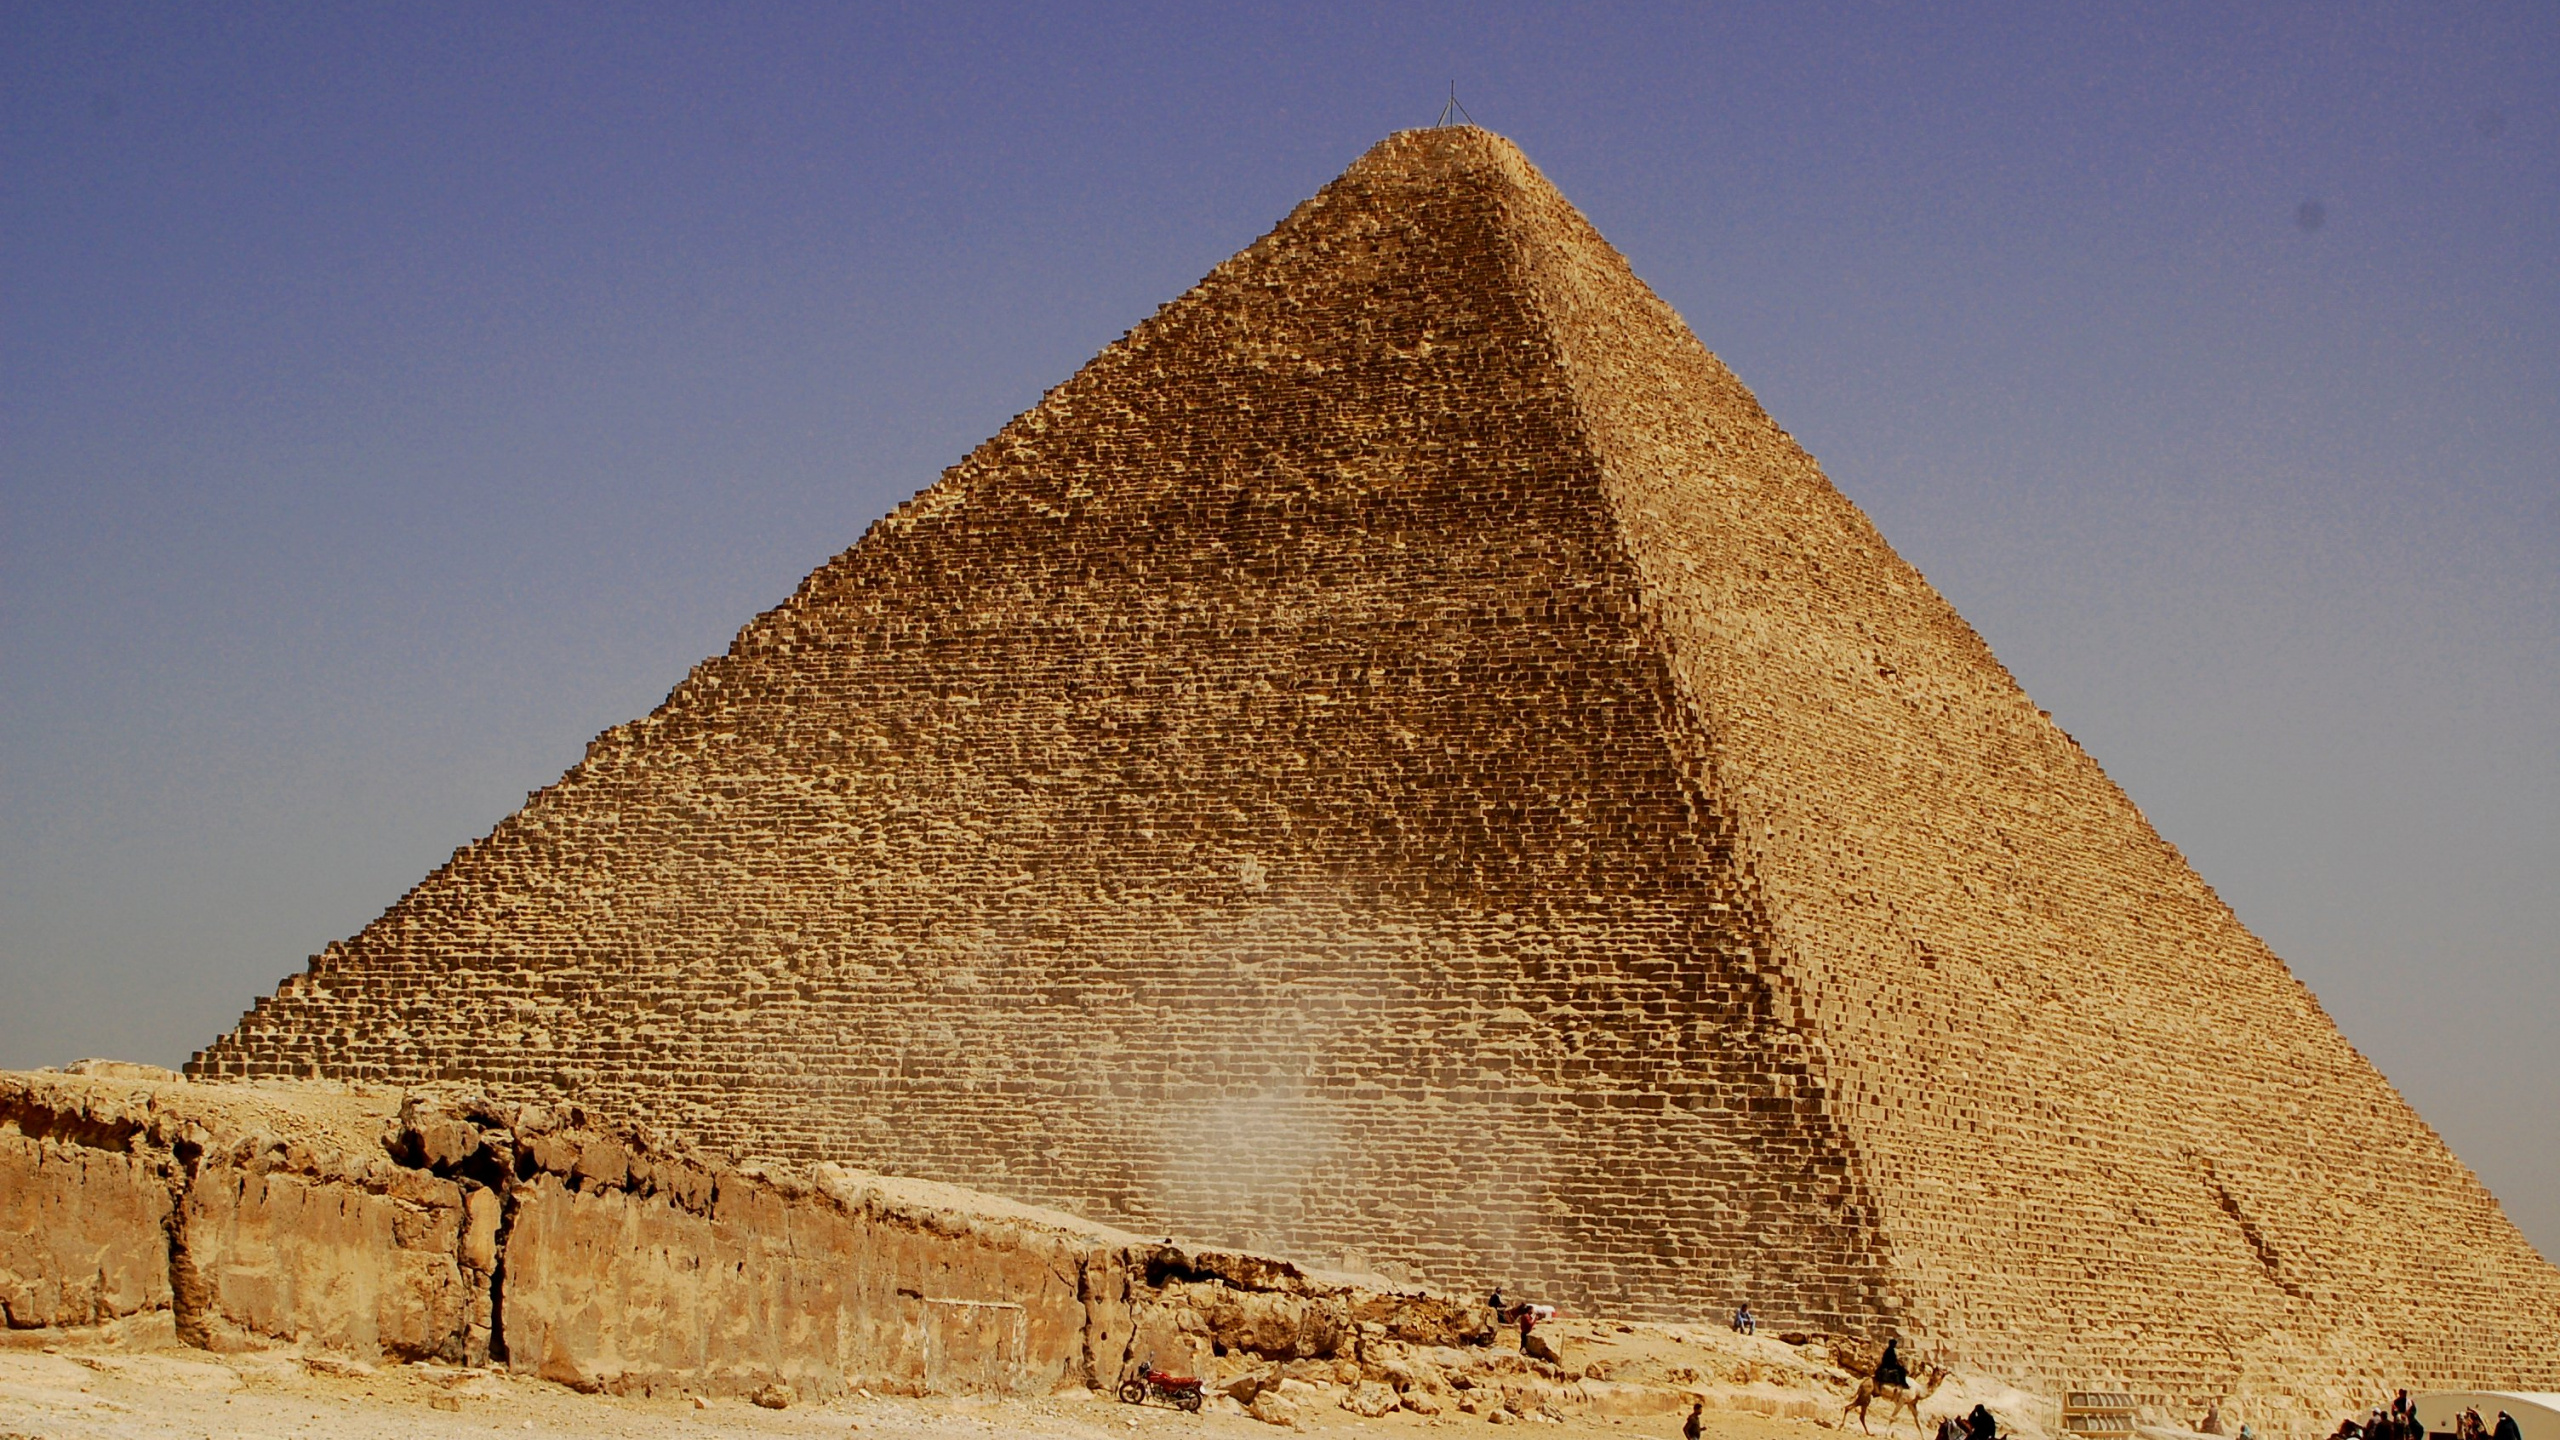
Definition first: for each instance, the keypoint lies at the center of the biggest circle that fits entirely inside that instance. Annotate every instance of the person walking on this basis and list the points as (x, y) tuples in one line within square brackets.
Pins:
[(2507, 1428), (1695, 1425)]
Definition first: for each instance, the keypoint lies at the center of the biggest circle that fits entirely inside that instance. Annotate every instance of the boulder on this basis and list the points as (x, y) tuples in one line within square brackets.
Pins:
[(1372, 1399), (1244, 1387), (1271, 1408), (1274, 1326)]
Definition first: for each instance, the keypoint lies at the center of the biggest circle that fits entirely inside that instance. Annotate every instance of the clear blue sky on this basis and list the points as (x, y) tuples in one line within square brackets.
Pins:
[(393, 397)]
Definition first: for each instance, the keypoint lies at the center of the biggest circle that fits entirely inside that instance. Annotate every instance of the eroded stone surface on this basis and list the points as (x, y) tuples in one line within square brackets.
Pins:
[(81, 1233), (446, 1226)]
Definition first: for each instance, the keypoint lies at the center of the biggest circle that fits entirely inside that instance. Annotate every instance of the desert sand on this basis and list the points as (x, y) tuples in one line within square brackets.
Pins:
[(137, 1381)]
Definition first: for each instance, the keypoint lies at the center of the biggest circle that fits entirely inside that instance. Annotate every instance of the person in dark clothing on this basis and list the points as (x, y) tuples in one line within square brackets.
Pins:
[(1889, 1369), (1696, 1424), (2507, 1428), (1980, 1425)]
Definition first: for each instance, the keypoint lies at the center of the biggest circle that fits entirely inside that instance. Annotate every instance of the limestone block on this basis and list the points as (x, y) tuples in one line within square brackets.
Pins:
[(617, 1290), (1372, 1399), (1169, 1335), (1275, 1326), (324, 1260), (83, 1233), (975, 1347)]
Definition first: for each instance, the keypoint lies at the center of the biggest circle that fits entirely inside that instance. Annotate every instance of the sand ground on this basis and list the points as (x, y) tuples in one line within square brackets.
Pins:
[(97, 1384)]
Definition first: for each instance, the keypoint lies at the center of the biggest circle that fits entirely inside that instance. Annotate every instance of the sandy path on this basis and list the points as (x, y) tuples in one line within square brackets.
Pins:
[(74, 1393)]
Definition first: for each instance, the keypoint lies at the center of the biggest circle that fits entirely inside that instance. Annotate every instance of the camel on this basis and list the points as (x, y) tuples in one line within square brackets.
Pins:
[(1898, 1400)]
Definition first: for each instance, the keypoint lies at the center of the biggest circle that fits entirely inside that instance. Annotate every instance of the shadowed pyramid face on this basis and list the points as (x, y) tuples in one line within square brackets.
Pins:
[(1399, 755)]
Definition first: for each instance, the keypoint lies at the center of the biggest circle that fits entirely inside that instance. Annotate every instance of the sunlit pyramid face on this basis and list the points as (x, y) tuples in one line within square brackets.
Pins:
[(1400, 758)]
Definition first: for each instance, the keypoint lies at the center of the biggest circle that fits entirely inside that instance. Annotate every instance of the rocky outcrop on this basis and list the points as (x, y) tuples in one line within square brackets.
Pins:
[(250, 1213), (443, 1225), (84, 1216), (366, 1260)]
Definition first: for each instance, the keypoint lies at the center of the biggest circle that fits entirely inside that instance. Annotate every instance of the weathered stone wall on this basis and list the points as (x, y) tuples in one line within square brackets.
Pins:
[(251, 1215), (83, 1223), (363, 1263), (740, 1284), (385, 1227), (1400, 754)]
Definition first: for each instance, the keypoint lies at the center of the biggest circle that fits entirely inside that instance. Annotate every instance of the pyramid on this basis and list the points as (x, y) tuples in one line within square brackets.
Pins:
[(1400, 759)]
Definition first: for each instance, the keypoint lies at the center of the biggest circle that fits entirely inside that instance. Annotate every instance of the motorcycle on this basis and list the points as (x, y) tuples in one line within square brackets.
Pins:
[(1182, 1392)]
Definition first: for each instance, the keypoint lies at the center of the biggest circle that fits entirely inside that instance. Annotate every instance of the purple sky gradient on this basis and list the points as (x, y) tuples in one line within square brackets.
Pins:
[(392, 398)]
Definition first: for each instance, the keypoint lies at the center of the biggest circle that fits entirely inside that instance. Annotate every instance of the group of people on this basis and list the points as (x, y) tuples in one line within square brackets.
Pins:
[(1977, 1425), (2396, 1421), (2399, 1421), (2469, 1427), (1528, 1317)]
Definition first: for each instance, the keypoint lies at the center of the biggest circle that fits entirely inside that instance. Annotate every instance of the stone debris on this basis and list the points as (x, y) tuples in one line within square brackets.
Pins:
[(1373, 1399), (1402, 756)]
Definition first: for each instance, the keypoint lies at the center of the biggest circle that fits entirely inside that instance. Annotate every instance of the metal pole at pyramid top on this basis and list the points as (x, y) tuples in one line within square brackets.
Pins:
[(1453, 113)]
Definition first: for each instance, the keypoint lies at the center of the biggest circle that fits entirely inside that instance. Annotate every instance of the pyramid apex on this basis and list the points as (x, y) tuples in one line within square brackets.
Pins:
[(1408, 166), (1445, 148)]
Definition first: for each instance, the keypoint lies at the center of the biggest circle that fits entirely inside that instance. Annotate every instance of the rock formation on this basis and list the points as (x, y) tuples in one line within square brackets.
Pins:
[(1401, 755), (384, 1226)]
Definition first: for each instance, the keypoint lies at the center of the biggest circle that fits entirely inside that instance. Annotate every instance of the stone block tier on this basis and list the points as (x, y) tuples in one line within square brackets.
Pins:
[(1401, 756)]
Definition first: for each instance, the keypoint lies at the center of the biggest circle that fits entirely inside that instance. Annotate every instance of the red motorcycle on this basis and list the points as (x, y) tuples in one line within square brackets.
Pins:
[(1182, 1392)]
